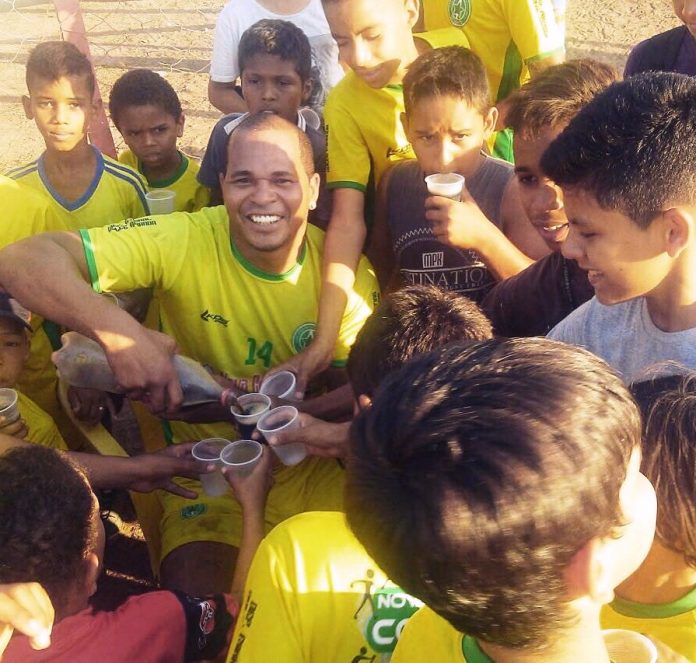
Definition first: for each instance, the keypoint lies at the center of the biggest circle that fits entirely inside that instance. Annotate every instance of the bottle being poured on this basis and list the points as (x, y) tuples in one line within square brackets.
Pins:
[(81, 362)]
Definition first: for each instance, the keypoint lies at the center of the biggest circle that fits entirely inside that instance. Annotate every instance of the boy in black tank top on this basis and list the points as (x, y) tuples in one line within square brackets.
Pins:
[(467, 245)]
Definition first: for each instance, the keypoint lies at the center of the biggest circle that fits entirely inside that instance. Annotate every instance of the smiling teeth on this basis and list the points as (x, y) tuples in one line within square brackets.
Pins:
[(556, 227), (264, 219)]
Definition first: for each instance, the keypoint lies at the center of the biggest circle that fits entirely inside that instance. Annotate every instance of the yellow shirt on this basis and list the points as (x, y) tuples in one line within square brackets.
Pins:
[(42, 429), (506, 34), (26, 214), (672, 623), (222, 311), (313, 594), (191, 195), (115, 193), (363, 125)]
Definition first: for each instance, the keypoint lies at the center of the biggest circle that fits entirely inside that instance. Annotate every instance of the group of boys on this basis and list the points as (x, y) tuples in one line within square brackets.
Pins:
[(466, 498)]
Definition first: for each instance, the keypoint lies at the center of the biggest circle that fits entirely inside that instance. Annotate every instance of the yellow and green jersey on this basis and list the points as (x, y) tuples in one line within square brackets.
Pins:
[(116, 192), (234, 318), (314, 594), (191, 195), (363, 125), (673, 623), (42, 429)]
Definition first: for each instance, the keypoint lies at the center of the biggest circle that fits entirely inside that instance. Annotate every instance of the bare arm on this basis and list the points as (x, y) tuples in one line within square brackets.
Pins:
[(381, 250), (225, 97), (516, 225)]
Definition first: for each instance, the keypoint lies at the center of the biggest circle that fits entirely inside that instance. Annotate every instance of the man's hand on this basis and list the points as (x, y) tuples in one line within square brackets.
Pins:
[(88, 405), (306, 365), (251, 491), (144, 369), (14, 428), (26, 607), (320, 437), (459, 224)]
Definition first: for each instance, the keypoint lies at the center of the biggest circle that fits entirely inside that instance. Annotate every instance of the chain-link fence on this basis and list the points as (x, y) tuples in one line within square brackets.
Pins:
[(174, 40)]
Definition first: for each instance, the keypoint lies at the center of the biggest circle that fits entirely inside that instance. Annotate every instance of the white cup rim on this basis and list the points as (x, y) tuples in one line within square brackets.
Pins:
[(13, 402), (247, 418), (200, 443), (257, 445), (274, 378), (289, 409), (160, 194)]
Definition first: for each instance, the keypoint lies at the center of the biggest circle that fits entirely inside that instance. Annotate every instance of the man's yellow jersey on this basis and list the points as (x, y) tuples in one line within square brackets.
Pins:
[(191, 195), (42, 429), (314, 594), (116, 192)]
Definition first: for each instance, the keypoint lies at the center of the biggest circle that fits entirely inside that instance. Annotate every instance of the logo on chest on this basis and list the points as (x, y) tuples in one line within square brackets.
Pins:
[(303, 336), (213, 317), (434, 259), (459, 12)]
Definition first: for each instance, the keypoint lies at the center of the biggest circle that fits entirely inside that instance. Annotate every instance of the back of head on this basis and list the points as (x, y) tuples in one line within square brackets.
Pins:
[(409, 322), (46, 520), (633, 148), (142, 87), (450, 71), (556, 95), (481, 470), (668, 406), (52, 60), (275, 37)]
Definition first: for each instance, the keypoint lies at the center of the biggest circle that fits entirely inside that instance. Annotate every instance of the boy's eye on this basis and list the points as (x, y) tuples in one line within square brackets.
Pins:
[(372, 37), (461, 136), (45, 104), (252, 80), (426, 138), (588, 235), (527, 180)]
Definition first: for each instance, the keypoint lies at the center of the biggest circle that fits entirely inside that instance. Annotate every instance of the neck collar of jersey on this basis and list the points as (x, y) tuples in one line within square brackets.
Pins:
[(267, 276), (162, 184), (72, 205), (685, 604)]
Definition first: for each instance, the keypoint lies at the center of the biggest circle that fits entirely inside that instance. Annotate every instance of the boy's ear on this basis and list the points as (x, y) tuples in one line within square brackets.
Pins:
[(364, 402), (489, 121), (92, 573), (180, 125), (680, 229), (413, 11), (589, 573), (26, 102), (307, 88)]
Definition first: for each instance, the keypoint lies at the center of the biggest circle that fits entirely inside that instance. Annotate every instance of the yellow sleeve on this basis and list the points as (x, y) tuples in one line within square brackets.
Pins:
[(137, 253), (42, 429), (128, 159), (533, 28), (348, 162), (268, 626), (428, 637), (364, 299)]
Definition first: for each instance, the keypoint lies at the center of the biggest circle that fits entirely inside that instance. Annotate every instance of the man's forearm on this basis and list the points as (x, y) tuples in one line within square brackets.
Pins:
[(501, 256), (225, 97), (335, 405)]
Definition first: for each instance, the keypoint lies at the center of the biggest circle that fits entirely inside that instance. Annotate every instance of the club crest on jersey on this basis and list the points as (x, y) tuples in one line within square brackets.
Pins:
[(303, 336), (459, 12)]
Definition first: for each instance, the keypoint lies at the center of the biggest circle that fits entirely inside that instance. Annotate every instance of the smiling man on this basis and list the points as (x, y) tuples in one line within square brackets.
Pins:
[(238, 288)]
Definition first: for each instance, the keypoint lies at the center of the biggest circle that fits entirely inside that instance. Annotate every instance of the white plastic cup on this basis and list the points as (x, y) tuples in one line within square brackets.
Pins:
[(209, 451), (9, 409), (259, 403), (242, 456), (624, 645), (280, 384), (279, 420), (160, 201), (449, 185)]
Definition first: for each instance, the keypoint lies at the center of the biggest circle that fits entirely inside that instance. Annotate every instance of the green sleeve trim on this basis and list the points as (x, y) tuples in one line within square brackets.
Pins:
[(685, 604), (512, 69), (543, 56), (346, 184), (472, 651), (339, 363), (52, 331), (168, 432), (89, 257)]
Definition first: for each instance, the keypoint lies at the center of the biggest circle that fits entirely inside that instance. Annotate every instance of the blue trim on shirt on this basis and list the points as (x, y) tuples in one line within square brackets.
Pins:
[(128, 176), (21, 171), (84, 198)]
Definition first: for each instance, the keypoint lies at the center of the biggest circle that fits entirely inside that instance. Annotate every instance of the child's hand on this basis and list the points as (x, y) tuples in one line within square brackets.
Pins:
[(251, 491), (459, 224), (88, 405), (14, 428), (26, 607)]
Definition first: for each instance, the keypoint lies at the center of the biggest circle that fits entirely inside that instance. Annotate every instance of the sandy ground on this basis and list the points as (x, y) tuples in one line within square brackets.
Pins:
[(177, 42)]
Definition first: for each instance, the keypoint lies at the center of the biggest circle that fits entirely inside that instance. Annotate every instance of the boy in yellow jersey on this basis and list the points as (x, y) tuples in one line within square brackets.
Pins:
[(85, 188), (238, 288), (33, 425), (365, 137), (147, 111), (313, 593), (499, 482), (514, 38), (659, 599)]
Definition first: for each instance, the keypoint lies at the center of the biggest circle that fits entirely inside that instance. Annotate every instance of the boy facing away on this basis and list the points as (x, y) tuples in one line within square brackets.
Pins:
[(147, 112), (627, 167), (84, 187), (419, 238), (511, 520)]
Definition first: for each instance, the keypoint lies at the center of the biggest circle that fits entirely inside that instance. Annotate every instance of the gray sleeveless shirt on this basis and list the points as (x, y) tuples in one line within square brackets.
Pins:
[(421, 258)]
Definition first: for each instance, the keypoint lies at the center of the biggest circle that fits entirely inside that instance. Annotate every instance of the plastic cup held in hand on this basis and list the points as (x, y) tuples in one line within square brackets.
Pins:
[(449, 185), (9, 409), (209, 452), (280, 384), (254, 406), (160, 201), (623, 645), (276, 421), (242, 456)]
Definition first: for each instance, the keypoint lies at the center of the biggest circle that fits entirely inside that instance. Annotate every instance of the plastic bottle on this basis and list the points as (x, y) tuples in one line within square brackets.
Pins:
[(81, 362)]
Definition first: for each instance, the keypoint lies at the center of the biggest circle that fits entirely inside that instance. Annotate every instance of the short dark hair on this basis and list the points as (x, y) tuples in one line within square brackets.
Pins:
[(555, 96), (450, 71), (668, 406), (633, 147), (409, 322), (481, 470), (52, 60), (142, 87), (265, 120), (276, 37), (46, 520)]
